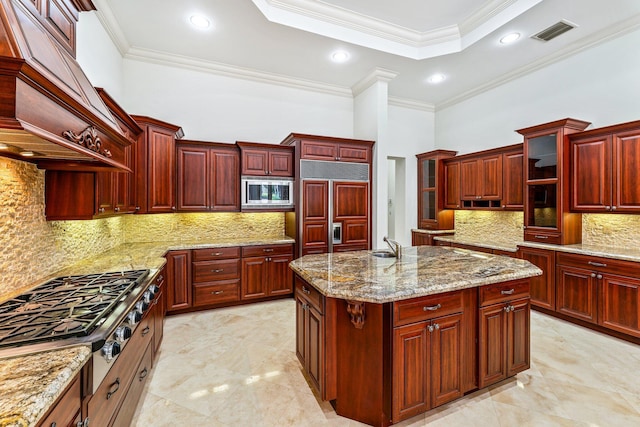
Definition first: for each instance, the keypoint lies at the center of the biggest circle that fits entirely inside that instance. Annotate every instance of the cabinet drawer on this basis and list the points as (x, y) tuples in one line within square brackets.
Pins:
[(310, 294), (209, 271), (542, 237), (424, 308), (67, 407), (499, 292), (604, 265), (250, 251), (216, 292), (215, 253)]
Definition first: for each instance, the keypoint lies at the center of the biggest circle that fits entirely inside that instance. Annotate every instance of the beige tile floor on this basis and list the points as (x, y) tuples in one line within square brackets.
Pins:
[(237, 367)]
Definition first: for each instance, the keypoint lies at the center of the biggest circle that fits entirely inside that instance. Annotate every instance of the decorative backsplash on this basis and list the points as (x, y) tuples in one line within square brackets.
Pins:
[(502, 226), (611, 230)]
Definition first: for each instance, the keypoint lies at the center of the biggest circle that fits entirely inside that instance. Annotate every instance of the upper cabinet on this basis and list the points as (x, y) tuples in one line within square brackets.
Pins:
[(330, 149), (605, 164), (546, 205), (431, 190), (208, 177), (155, 166), (266, 159), (481, 179), (513, 179)]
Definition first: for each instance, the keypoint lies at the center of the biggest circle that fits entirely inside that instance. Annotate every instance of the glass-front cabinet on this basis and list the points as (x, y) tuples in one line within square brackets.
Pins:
[(431, 212), (546, 206)]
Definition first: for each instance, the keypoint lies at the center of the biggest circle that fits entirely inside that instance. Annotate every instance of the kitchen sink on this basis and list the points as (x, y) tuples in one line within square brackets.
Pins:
[(384, 254)]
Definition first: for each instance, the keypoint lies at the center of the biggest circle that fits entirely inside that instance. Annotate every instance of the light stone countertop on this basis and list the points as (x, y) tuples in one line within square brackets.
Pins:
[(423, 270), (613, 252), (432, 232), (494, 242), (29, 385)]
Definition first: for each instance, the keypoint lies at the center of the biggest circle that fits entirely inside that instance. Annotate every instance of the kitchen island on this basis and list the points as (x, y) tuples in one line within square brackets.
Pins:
[(385, 339)]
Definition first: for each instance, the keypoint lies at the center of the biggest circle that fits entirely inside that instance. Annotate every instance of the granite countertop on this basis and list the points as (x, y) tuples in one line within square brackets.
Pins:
[(423, 270), (29, 385), (495, 242), (604, 251), (433, 232)]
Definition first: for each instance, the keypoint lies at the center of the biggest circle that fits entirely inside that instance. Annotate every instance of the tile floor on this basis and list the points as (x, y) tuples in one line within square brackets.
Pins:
[(237, 367)]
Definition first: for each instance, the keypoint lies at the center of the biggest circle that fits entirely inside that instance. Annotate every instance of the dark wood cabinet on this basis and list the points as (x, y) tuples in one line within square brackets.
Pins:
[(577, 293), (504, 331), (604, 174), (481, 178), (208, 177), (332, 150), (315, 217), (155, 166), (351, 210), (216, 276), (452, 184), (547, 183), (266, 159), (265, 271), (66, 410), (543, 288), (513, 180), (159, 309), (178, 280), (431, 191)]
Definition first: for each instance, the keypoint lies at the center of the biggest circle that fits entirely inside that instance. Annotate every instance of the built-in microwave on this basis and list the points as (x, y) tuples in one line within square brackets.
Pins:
[(266, 193)]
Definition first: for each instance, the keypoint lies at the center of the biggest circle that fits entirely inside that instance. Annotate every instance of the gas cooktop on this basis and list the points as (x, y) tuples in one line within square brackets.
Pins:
[(64, 307)]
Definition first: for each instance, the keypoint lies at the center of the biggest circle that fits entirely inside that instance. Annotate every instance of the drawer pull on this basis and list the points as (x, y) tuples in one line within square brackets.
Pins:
[(509, 292), (597, 264), (216, 254), (143, 374), (219, 270), (599, 276), (145, 331), (216, 292), (537, 236), (432, 308), (305, 290), (114, 387), (268, 250)]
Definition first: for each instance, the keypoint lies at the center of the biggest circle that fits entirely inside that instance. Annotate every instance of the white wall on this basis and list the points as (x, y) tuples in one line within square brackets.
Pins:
[(97, 55), (599, 85), (217, 108)]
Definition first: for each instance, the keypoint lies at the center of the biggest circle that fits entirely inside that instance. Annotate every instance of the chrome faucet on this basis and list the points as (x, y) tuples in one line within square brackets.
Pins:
[(396, 248)]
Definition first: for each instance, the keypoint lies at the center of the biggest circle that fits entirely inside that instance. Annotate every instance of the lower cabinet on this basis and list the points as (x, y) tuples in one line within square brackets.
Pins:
[(216, 276), (159, 309), (543, 288), (66, 410), (265, 271), (178, 287), (577, 293)]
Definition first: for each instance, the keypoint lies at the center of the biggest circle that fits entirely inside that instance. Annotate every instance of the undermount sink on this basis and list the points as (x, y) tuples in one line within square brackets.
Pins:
[(384, 254)]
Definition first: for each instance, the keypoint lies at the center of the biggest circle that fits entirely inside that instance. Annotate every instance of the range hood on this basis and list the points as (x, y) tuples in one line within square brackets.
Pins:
[(48, 107)]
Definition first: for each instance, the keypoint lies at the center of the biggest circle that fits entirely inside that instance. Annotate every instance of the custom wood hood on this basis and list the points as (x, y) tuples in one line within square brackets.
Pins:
[(47, 105)]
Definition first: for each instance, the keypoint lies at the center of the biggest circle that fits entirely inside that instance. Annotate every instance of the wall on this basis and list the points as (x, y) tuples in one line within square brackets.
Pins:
[(599, 85), (211, 107), (30, 247)]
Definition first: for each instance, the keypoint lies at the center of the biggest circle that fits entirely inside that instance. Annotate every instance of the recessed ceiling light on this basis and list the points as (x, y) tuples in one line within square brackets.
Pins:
[(437, 78), (510, 38), (340, 56), (199, 21)]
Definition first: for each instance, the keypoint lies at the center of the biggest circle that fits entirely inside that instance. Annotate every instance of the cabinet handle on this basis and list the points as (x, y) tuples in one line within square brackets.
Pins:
[(84, 423), (432, 308), (436, 326), (509, 292), (216, 254), (219, 270), (143, 374), (593, 274), (145, 331), (101, 210), (267, 250), (117, 209), (305, 290), (537, 236), (114, 387), (608, 208), (217, 292), (599, 276), (430, 328), (597, 264), (509, 308), (613, 208), (160, 278)]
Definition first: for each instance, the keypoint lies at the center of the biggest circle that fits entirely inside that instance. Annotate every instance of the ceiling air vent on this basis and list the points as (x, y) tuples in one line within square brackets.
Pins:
[(553, 31)]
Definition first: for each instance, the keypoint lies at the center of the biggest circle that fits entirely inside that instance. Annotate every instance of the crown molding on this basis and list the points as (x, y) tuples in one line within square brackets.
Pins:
[(593, 40), (377, 75), (110, 24), (163, 58), (343, 24), (411, 104)]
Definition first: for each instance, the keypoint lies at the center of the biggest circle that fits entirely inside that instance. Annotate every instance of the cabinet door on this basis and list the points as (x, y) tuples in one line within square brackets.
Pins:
[(279, 275), (446, 359), (469, 179), (353, 153), (255, 162), (577, 293), (420, 239), (513, 181), (318, 150), (490, 177), (254, 278), (301, 330), (411, 361), (315, 216), (620, 304), (492, 345), (351, 208), (67, 408), (518, 336), (105, 188), (626, 179), (178, 280), (591, 174), (193, 178), (543, 288), (161, 170), (225, 185), (315, 347), (452, 185), (281, 163)]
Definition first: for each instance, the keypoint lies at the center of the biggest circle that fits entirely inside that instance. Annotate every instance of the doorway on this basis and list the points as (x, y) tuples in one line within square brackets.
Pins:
[(396, 198)]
